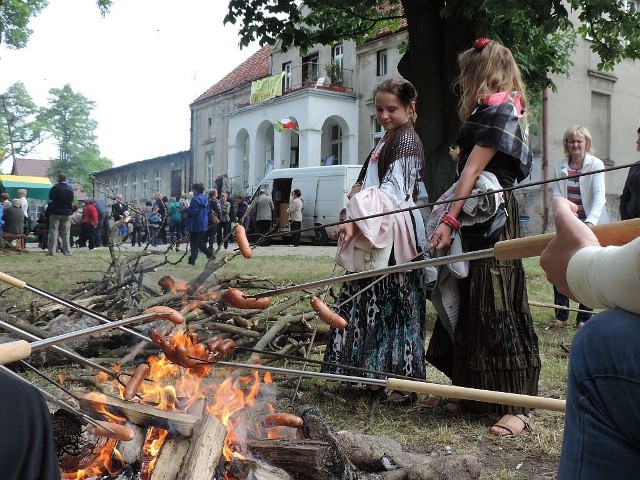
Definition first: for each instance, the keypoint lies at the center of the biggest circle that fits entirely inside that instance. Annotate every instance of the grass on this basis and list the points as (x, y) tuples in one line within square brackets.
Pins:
[(424, 428)]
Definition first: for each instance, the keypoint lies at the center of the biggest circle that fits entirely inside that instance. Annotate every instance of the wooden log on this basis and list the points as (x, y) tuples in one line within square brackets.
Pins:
[(205, 450), (306, 458), (224, 327), (169, 460), (131, 451), (180, 424), (281, 324), (256, 470)]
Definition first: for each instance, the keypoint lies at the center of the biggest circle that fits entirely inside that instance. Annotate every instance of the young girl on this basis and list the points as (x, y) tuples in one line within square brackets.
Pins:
[(494, 345), (387, 322)]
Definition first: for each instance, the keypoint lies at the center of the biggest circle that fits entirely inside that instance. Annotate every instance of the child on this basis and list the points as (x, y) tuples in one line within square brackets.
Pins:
[(494, 345), (154, 222)]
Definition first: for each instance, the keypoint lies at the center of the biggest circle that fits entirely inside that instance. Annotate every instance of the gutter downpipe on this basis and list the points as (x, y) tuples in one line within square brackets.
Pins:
[(545, 160)]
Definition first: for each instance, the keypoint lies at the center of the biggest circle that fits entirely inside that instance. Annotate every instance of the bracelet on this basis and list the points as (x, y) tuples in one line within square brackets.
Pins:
[(451, 221)]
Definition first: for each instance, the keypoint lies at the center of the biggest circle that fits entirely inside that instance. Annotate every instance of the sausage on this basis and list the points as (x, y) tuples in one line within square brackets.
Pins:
[(133, 385), (242, 241), (169, 349), (327, 315), (214, 344), (282, 420), (227, 347), (155, 336), (236, 298), (121, 432), (183, 357), (169, 313)]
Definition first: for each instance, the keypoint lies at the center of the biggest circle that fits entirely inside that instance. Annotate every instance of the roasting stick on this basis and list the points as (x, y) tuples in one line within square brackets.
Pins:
[(617, 233), (20, 349), (73, 306), (70, 355), (420, 386), (57, 401), (533, 303)]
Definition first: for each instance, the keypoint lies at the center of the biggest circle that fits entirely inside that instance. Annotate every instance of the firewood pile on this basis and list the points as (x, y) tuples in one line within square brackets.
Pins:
[(285, 324)]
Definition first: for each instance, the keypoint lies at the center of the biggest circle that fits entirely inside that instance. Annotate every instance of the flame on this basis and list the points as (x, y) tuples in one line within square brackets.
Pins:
[(175, 388)]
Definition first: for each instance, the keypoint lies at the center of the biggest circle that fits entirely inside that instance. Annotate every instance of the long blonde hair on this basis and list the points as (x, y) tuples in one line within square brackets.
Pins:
[(486, 70)]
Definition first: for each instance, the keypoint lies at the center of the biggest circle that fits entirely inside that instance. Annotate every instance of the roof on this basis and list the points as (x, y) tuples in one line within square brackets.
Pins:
[(37, 187), (31, 167), (255, 67)]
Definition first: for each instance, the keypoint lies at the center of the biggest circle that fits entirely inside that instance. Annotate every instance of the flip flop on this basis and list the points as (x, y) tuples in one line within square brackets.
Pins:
[(400, 398), (513, 424)]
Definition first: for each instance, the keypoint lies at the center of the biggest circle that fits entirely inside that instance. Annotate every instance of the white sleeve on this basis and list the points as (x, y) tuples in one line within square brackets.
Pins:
[(607, 277), (394, 184)]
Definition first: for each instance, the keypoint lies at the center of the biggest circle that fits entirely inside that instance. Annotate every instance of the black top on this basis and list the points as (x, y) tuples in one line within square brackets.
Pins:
[(117, 210), (27, 448), (499, 127), (61, 197), (630, 198)]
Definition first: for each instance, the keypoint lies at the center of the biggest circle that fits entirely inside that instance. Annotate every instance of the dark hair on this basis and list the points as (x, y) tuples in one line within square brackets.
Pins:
[(401, 88), (197, 187), (148, 203), (62, 178), (297, 192), (638, 129)]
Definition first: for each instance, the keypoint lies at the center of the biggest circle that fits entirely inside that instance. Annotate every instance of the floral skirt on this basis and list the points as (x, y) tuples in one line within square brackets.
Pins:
[(387, 325)]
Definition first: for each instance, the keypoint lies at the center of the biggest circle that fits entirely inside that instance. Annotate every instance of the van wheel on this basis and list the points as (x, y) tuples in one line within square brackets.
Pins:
[(320, 238)]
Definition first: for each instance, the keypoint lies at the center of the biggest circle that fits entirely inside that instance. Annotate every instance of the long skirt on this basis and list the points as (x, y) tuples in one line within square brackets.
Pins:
[(495, 345), (387, 326)]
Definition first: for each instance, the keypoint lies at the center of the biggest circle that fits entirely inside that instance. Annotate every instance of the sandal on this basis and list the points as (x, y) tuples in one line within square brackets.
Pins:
[(400, 398), (513, 424), (453, 407)]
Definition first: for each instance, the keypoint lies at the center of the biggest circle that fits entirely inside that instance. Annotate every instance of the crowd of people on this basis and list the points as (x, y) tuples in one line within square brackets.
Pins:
[(483, 336)]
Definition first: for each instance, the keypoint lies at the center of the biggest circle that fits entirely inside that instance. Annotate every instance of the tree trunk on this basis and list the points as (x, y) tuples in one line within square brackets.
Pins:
[(431, 65)]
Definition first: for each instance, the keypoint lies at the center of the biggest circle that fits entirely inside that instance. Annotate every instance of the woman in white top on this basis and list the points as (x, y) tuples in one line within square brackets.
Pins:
[(587, 192)]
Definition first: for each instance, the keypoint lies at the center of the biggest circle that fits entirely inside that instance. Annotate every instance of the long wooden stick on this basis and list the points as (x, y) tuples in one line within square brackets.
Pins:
[(618, 233), (418, 386), (20, 349)]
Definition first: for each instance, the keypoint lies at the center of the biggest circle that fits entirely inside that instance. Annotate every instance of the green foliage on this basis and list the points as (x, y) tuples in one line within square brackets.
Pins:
[(68, 118), (20, 129), (15, 16), (334, 70)]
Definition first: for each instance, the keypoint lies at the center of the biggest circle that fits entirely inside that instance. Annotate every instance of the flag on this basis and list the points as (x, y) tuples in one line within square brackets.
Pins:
[(287, 123), (277, 126)]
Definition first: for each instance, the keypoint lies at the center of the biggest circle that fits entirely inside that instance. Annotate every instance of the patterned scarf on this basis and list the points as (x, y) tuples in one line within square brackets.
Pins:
[(404, 146)]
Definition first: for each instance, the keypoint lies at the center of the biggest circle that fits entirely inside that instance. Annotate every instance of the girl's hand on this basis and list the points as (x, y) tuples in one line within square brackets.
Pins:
[(345, 231), (441, 238)]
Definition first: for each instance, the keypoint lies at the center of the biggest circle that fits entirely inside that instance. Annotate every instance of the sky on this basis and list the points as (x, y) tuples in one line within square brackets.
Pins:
[(142, 64)]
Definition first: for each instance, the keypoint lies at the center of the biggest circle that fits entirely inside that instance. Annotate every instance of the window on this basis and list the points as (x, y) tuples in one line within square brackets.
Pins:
[(209, 122), (116, 184), (336, 53), (286, 78), (124, 193), (600, 125), (377, 132), (310, 68), (157, 182), (134, 192), (381, 61), (145, 190), (335, 144), (134, 179), (209, 164)]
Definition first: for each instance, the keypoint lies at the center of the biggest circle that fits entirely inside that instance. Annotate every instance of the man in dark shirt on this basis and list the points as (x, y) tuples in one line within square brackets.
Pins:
[(118, 209), (61, 198)]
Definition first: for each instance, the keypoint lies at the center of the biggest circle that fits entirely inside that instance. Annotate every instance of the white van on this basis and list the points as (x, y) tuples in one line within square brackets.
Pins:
[(324, 194)]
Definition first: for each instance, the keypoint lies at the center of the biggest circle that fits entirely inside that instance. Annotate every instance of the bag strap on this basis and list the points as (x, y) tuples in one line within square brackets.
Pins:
[(363, 170)]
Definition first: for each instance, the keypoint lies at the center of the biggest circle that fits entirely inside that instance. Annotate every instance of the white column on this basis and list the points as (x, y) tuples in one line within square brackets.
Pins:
[(310, 147)]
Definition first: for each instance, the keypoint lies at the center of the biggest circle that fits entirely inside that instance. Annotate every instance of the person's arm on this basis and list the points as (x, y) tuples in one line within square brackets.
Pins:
[(476, 163), (624, 198), (579, 267), (598, 199)]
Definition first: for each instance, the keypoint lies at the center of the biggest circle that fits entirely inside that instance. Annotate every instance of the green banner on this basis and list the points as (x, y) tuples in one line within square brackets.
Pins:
[(266, 88)]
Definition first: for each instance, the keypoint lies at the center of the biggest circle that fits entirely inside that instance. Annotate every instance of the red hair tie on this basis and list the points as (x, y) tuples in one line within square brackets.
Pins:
[(480, 43)]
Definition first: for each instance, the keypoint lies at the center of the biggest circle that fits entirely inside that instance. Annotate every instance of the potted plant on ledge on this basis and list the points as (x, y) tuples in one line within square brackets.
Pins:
[(334, 70)]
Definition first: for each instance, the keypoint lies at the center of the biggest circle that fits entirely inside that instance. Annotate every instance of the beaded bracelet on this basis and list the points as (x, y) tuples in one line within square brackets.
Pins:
[(451, 221)]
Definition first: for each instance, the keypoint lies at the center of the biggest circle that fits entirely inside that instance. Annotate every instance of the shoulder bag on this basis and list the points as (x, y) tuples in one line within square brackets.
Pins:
[(484, 234)]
